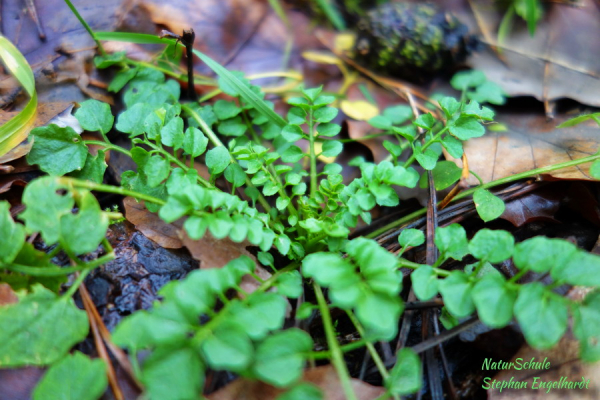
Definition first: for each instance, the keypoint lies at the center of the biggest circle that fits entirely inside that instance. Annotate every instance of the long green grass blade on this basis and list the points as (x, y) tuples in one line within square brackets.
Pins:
[(139, 38), (15, 130), (506, 25), (333, 14), (86, 26), (531, 7), (248, 95)]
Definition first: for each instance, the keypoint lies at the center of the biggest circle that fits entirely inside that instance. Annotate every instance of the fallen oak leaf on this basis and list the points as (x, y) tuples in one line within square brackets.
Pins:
[(531, 142), (325, 378), (150, 224)]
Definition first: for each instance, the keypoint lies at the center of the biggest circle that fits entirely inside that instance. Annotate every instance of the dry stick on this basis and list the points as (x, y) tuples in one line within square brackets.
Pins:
[(458, 187), (453, 394), (187, 39), (34, 16), (116, 351), (433, 370), (436, 340), (408, 315), (461, 210), (110, 371)]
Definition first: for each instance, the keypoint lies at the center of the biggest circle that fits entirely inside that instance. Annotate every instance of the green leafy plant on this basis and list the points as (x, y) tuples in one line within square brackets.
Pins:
[(531, 11), (264, 186)]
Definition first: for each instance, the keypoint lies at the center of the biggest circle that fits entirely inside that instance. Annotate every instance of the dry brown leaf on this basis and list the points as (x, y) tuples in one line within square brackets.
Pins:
[(150, 224), (561, 60), (564, 362), (324, 377), (531, 142), (215, 253), (7, 295), (18, 383)]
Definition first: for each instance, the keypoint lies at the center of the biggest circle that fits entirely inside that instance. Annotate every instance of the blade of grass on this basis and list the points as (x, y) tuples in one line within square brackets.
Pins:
[(139, 38), (17, 128), (332, 14), (248, 95), (531, 9), (86, 26), (506, 25)]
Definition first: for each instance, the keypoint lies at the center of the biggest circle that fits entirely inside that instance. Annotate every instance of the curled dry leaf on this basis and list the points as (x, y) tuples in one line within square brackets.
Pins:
[(243, 35), (531, 142), (151, 225), (560, 60), (215, 253), (539, 205), (325, 378)]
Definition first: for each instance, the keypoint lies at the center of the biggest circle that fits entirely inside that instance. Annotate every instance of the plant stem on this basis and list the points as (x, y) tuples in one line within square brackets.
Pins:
[(180, 164), (313, 157), (77, 183), (108, 146), (434, 139), (518, 275), (528, 174), (325, 354), (374, 355), (508, 179), (402, 263), (216, 142), (337, 357), (78, 281)]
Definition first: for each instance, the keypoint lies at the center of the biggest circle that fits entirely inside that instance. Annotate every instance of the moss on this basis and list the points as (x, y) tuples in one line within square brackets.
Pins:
[(411, 40)]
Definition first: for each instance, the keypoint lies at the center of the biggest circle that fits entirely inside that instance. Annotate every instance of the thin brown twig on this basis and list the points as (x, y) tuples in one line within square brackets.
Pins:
[(116, 351), (34, 16), (89, 306)]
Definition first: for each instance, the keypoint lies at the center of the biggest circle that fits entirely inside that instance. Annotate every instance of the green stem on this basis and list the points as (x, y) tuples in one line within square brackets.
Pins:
[(477, 177), (508, 179), (313, 157), (180, 164), (273, 178), (326, 354), (108, 146), (374, 355), (86, 26), (434, 139), (402, 263), (216, 142), (337, 357), (529, 174), (203, 125), (100, 187), (78, 281), (518, 275)]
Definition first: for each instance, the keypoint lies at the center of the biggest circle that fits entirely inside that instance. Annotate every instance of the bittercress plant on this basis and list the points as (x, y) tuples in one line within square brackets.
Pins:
[(264, 186)]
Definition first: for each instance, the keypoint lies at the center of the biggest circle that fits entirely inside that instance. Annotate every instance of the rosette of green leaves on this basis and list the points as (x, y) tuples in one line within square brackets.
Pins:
[(367, 281)]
